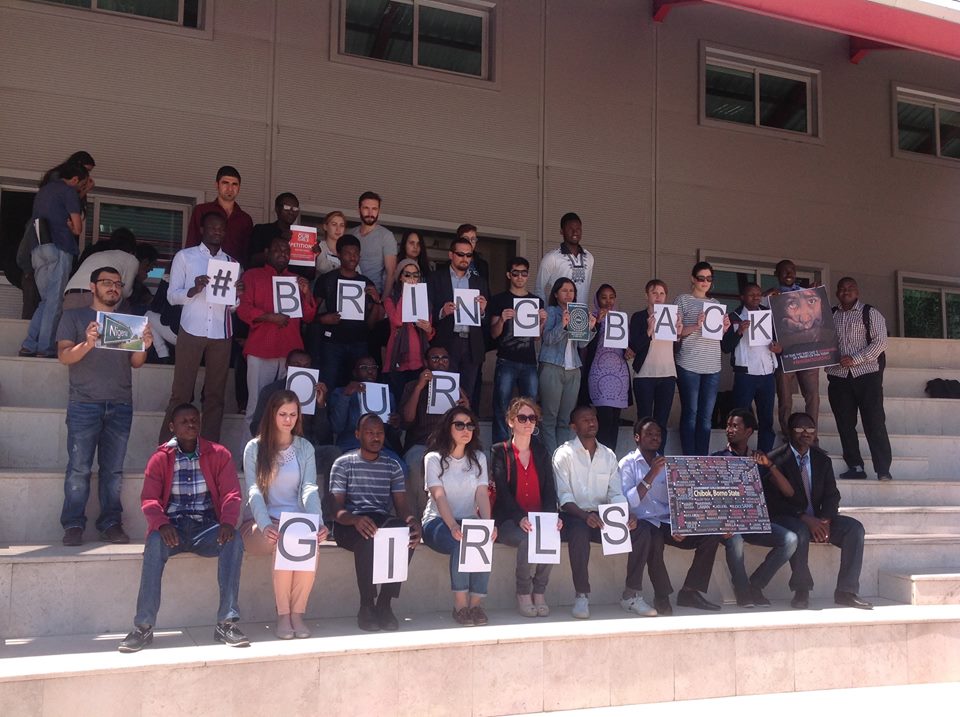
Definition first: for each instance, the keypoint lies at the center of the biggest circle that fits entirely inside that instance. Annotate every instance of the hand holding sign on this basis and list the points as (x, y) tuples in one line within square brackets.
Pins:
[(615, 535), (467, 307), (297, 542), (543, 541), (390, 555), (713, 320), (443, 392), (615, 334), (476, 545), (760, 331), (351, 299), (221, 286), (414, 305), (665, 322), (286, 297), (302, 243), (375, 398), (526, 317)]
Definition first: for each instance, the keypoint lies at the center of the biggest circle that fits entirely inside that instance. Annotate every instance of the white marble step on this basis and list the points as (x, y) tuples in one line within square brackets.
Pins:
[(908, 520), (921, 416), (940, 586)]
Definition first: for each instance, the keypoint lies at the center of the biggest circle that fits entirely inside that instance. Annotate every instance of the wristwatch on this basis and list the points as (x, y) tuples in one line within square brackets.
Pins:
[(646, 485)]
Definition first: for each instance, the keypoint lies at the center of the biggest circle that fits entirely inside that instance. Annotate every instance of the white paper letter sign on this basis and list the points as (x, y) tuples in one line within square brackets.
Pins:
[(468, 307), (297, 544), (615, 335), (303, 382), (222, 288), (351, 299), (665, 321), (390, 555), (375, 398), (526, 320), (712, 321), (414, 303), (761, 328), (614, 535), (443, 392), (543, 542), (286, 296), (476, 546)]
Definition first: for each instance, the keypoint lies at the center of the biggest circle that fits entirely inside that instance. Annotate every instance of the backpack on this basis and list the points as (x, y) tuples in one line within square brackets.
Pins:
[(882, 358)]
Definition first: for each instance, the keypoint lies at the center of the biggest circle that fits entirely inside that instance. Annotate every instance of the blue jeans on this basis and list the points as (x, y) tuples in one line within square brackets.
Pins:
[(559, 388), (198, 537), (698, 394), (654, 397), (51, 271), (783, 543), (437, 536), (102, 427), (507, 375), (763, 390), (336, 361)]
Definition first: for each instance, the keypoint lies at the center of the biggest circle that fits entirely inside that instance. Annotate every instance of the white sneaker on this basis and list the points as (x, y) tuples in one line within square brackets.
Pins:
[(637, 605), (581, 607)]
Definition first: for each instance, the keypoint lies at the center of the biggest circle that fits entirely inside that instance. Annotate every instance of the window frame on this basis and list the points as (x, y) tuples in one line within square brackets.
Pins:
[(922, 97), (926, 282), (818, 274), (99, 198), (122, 19), (490, 57), (736, 59)]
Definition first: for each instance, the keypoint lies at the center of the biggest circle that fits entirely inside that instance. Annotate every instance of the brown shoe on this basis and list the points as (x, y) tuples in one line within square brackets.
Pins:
[(73, 536), (115, 534), (463, 616), (479, 616)]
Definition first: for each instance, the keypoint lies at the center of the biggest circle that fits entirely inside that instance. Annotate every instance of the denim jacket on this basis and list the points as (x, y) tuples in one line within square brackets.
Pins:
[(554, 343)]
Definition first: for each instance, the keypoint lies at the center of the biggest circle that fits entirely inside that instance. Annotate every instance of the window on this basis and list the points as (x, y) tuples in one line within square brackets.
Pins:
[(930, 306), (440, 36), (162, 224), (731, 272), (928, 123), (765, 94), (186, 13)]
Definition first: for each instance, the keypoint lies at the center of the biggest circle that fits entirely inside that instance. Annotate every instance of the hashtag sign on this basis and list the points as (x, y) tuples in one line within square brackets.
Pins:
[(222, 282), (222, 287)]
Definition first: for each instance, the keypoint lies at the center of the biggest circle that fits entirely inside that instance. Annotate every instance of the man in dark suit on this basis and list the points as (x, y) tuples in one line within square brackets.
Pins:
[(812, 513), (465, 344)]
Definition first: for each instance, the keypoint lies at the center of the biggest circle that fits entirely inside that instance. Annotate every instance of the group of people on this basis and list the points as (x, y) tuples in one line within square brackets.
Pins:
[(415, 468)]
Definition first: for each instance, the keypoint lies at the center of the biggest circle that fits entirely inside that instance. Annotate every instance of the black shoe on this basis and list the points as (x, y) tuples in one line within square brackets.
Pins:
[(367, 619), (884, 476), (691, 598), (386, 619), (229, 634), (73, 536), (114, 534), (853, 474), (137, 639), (662, 605), (801, 600), (851, 600), (745, 599), (759, 599)]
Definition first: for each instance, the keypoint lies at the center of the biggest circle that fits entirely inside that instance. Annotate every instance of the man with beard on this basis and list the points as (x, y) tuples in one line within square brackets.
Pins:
[(378, 245), (272, 335), (99, 411)]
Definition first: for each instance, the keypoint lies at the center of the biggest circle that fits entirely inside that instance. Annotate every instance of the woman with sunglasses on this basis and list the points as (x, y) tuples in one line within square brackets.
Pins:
[(280, 475), (455, 474), (411, 247), (523, 474), (334, 226), (559, 365), (698, 363), (407, 342)]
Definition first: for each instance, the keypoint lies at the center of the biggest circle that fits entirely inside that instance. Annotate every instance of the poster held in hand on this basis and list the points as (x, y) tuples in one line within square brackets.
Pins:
[(760, 331), (615, 332), (713, 320), (121, 332), (414, 304), (297, 544), (665, 322), (526, 320), (805, 329), (351, 299), (222, 287), (578, 327), (543, 541), (476, 546), (375, 398), (303, 382), (443, 392), (467, 303), (615, 535), (286, 297), (715, 495), (302, 242), (390, 555)]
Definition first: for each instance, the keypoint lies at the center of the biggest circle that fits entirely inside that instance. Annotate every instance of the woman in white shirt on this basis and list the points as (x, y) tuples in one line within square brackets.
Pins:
[(455, 474), (280, 475)]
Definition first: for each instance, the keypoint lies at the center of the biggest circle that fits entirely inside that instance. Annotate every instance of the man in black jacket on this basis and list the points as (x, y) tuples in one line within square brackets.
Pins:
[(812, 513)]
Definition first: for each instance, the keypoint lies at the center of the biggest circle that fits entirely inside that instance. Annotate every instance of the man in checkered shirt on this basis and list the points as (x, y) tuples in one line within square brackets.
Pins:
[(857, 383)]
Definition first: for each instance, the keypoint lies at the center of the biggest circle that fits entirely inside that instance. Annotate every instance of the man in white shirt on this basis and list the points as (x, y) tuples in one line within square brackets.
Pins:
[(643, 479), (119, 252), (570, 260), (587, 477), (205, 329)]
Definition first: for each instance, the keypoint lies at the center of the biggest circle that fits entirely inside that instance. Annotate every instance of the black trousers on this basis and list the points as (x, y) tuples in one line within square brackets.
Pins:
[(863, 394), (463, 362), (578, 536), (362, 548), (608, 430), (698, 576), (846, 533)]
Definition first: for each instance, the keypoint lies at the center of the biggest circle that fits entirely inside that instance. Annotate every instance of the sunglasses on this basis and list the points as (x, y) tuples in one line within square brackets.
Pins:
[(704, 279), (410, 274), (808, 430), (288, 208), (520, 272), (464, 426), (526, 418), (464, 254)]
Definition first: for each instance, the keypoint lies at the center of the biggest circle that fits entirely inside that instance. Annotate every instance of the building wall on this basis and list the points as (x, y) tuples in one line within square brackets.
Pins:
[(593, 108)]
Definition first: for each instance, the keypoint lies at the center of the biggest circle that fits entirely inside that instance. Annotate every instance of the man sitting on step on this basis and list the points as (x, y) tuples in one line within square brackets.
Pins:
[(812, 512), (191, 500)]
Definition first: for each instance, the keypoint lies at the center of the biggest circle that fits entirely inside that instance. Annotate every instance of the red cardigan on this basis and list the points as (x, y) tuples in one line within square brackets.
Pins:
[(219, 471), (269, 341)]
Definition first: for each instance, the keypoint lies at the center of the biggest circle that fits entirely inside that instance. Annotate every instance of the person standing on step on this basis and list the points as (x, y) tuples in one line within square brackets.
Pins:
[(99, 411), (857, 383), (191, 500), (568, 261), (238, 224)]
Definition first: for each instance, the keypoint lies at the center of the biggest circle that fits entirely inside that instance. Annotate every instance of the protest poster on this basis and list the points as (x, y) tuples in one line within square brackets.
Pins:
[(713, 314), (614, 535), (303, 382), (286, 296), (805, 329), (665, 318), (302, 242), (713, 495), (351, 299), (121, 332), (543, 541), (443, 392), (390, 555), (414, 305), (222, 287), (476, 546), (760, 332), (615, 332), (297, 544), (526, 318), (375, 398), (467, 307), (578, 327)]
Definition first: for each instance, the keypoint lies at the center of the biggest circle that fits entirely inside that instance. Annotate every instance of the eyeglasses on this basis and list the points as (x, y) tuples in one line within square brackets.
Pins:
[(704, 279), (410, 274), (438, 359), (288, 208), (111, 282), (809, 430), (519, 272), (367, 367), (526, 418), (464, 426), (464, 254)]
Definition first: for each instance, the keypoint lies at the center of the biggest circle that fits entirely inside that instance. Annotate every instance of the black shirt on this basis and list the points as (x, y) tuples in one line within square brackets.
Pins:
[(521, 349), (346, 331)]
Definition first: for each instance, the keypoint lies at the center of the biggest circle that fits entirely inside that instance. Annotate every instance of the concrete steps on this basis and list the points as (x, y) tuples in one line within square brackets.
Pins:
[(908, 520), (939, 586)]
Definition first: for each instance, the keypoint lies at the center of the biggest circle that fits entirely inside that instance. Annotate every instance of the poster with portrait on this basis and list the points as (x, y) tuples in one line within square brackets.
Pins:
[(713, 495), (805, 329)]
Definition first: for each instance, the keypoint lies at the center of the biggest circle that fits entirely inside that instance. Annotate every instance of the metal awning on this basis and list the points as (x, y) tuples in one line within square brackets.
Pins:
[(928, 26)]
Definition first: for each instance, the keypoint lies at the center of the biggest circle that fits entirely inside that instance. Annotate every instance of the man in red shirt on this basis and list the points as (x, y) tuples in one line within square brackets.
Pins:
[(272, 335), (239, 223)]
